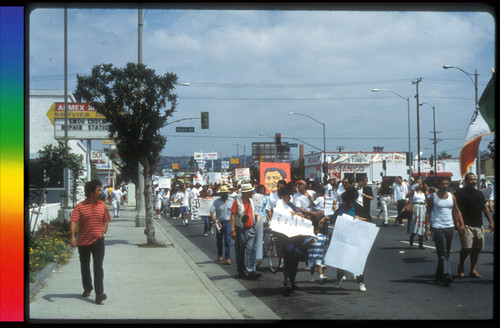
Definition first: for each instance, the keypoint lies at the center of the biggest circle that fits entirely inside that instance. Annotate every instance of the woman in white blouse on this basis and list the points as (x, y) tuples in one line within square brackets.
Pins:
[(418, 197)]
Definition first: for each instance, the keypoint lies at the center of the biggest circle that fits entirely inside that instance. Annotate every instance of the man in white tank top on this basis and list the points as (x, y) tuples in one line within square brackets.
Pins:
[(443, 216)]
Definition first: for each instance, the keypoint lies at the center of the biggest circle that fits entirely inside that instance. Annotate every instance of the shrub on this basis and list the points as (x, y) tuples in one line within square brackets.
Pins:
[(49, 244)]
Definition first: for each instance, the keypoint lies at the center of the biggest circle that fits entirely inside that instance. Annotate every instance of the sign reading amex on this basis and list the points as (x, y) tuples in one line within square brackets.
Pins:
[(84, 122)]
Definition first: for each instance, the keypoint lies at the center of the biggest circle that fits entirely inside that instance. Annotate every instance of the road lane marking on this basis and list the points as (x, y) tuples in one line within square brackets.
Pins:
[(407, 242)]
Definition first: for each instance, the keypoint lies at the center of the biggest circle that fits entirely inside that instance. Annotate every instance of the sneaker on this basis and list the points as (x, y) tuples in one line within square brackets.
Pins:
[(312, 279), (86, 294), (206, 235), (219, 259), (228, 262), (99, 298), (362, 287), (338, 284), (322, 280)]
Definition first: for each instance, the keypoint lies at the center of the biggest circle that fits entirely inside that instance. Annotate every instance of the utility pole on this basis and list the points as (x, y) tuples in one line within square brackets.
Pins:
[(418, 125), (140, 219), (340, 148), (478, 158), (66, 170)]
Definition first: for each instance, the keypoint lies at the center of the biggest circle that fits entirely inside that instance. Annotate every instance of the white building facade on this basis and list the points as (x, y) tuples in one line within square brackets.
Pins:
[(371, 165), (41, 133)]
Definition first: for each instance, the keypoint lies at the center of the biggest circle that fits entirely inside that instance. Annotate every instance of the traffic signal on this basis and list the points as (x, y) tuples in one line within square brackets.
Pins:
[(384, 164), (278, 138), (431, 161), (325, 168), (204, 120)]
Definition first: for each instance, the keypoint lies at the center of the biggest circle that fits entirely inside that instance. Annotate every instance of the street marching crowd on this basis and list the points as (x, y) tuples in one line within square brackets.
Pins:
[(299, 215)]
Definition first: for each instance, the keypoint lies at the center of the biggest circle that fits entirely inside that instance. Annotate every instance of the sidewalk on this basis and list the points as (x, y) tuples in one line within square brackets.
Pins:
[(141, 283)]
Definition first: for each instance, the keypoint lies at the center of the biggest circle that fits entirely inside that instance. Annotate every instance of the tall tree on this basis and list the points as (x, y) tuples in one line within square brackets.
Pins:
[(443, 155), (136, 103)]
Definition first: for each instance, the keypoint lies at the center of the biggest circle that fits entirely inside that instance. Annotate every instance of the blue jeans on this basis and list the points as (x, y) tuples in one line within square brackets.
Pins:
[(97, 251), (245, 249), (207, 224), (442, 240), (224, 238)]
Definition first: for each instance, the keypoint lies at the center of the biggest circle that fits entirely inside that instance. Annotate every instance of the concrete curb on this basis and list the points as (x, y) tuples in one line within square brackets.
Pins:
[(223, 301), (41, 277), (231, 291)]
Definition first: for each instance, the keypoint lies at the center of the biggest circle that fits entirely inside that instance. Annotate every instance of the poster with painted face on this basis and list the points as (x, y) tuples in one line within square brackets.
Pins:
[(271, 173)]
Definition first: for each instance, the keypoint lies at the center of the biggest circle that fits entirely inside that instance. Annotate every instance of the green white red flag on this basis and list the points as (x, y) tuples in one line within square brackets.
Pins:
[(482, 123)]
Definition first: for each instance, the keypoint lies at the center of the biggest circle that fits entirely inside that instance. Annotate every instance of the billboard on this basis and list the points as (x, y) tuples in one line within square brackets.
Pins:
[(205, 156)]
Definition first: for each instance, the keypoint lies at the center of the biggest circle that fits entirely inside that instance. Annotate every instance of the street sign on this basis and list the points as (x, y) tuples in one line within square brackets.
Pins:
[(184, 129), (291, 144), (75, 110), (235, 161), (82, 128), (207, 156)]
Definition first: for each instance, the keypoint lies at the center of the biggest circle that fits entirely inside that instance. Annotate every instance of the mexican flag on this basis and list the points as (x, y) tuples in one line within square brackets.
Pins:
[(481, 124)]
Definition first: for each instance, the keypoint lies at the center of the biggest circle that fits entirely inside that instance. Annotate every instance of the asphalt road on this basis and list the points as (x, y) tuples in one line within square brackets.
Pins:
[(399, 280)]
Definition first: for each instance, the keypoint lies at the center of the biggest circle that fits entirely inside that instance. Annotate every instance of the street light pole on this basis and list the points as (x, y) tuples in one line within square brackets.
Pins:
[(435, 140), (410, 162), (478, 157), (324, 142), (418, 125)]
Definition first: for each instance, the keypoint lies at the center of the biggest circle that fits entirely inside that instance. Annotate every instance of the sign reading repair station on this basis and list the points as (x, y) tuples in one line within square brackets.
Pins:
[(84, 122)]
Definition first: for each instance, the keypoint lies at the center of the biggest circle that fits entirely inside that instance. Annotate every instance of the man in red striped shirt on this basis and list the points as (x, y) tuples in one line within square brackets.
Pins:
[(92, 217)]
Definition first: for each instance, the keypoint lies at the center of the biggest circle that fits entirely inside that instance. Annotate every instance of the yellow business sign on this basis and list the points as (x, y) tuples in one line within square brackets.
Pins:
[(235, 161), (75, 110)]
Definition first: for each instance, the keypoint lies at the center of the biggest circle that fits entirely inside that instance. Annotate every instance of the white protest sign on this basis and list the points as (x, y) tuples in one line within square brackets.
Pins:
[(259, 239), (351, 243), (195, 206), (242, 174), (215, 177), (290, 225), (164, 182), (257, 199), (329, 199), (205, 205), (201, 207)]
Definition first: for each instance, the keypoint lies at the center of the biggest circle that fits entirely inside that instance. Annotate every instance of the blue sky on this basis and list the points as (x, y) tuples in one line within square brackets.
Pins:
[(250, 68)]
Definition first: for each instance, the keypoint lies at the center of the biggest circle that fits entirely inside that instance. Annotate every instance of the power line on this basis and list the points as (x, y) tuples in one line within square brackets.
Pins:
[(310, 99)]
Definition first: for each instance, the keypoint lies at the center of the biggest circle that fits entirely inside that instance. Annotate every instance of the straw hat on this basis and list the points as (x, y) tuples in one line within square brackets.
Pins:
[(246, 187), (223, 188)]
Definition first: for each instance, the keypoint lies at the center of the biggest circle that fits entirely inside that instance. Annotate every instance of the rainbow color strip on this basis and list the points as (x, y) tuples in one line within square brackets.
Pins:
[(11, 163)]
